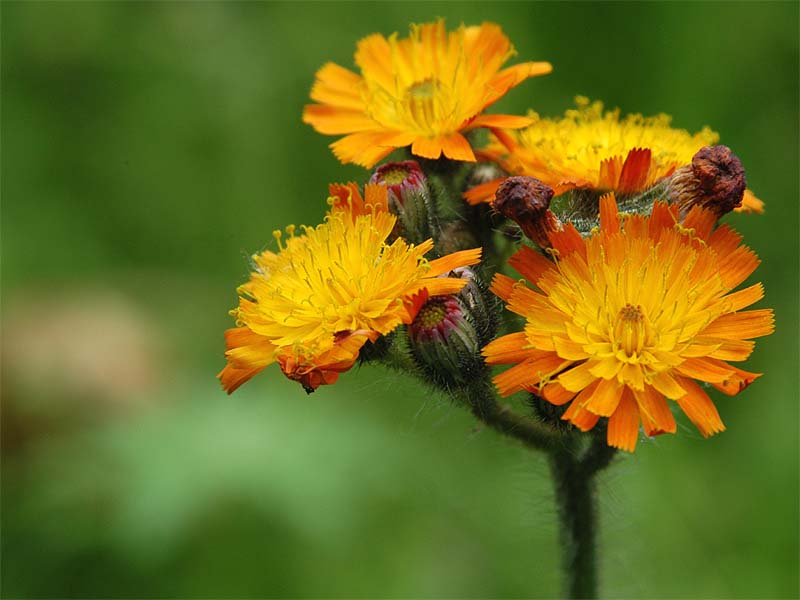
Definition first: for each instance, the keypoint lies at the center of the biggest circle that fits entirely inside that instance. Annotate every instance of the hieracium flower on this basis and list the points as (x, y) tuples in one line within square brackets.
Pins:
[(592, 149), (630, 318), (312, 306), (423, 91)]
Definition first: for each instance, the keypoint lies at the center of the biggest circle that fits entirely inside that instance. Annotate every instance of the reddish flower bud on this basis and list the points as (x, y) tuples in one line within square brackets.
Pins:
[(409, 198), (448, 332), (526, 201), (715, 180)]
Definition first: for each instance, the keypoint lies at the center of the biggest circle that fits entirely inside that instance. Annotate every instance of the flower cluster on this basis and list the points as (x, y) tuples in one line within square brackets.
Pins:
[(630, 303)]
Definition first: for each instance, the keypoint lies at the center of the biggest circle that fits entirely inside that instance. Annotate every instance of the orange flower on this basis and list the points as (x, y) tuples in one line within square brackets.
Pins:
[(631, 317), (590, 148), (422, 91), (315, 303)]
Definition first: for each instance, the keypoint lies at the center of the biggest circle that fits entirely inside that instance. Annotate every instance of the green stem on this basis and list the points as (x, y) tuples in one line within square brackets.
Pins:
[(534, 434), (574, 482)]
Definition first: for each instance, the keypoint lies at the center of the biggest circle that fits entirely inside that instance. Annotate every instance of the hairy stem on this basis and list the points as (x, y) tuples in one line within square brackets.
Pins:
[(534, 434), (574, 484)]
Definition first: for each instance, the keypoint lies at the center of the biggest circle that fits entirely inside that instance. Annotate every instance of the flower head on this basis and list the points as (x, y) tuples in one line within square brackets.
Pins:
[(631, 317), (422, 91), (590, 148), (315, 303)]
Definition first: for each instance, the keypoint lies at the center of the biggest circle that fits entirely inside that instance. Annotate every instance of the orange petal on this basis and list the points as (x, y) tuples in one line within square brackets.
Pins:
[(750, 204), (508, 349), (701, 220), (247, 353), (577, 414), (737, 266), (556, 394), (746, 297), (699, 408), (502, 286), (501, 121), (530, 264), (427, 147), (365, 148), (705, 369), (231, 378), (331, 120), (577, 378), (568, 240), (374, 57), (513, 76), (528, 373), (664, 216), (623, 426), (456, 147), (742, 325), (635, 171), (667, 385), (337, 86), (603, 402), (654, 410), (483, 192), (735, 383), (522, 71), (324, 369), (609, 219), (610, 170), (462, 258)]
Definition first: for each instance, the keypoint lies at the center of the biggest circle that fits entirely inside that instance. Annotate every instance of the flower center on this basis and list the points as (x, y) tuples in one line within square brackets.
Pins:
[(432, 313), (631, 330), (424, 104), (394, 176), (422, 90)]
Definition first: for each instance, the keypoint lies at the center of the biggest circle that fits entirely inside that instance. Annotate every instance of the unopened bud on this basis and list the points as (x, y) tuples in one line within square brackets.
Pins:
[(526, 201), (444, 341), (448, 332), (409, 198), (715, 180)]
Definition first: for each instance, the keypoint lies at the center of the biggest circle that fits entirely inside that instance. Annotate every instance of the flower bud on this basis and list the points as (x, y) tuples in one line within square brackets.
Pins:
[(715, 180), (448, 332), (526, 201), (409, 198)]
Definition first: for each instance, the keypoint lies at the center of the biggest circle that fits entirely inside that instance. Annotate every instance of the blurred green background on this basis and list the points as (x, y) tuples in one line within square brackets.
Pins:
[(149, 148)]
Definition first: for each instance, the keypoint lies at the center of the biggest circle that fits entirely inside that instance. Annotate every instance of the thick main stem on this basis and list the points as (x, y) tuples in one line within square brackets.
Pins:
[(574, 492)]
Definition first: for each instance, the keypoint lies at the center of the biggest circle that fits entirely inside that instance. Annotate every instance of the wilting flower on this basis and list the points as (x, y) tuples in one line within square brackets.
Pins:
[(589, 148), (315, 303), (423, 91), (631, 317)]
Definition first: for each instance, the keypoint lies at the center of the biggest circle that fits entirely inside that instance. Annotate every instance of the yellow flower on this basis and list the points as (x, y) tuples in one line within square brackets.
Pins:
[(421, 91), (589, 148), (315, 303), (631, 317)]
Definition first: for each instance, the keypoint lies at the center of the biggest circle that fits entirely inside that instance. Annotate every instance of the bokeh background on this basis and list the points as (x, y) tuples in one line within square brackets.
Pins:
[(149, 148)]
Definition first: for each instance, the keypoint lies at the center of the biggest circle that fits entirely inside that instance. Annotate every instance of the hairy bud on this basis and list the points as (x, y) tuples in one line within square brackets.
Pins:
[(448, 332), (409, 198)]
